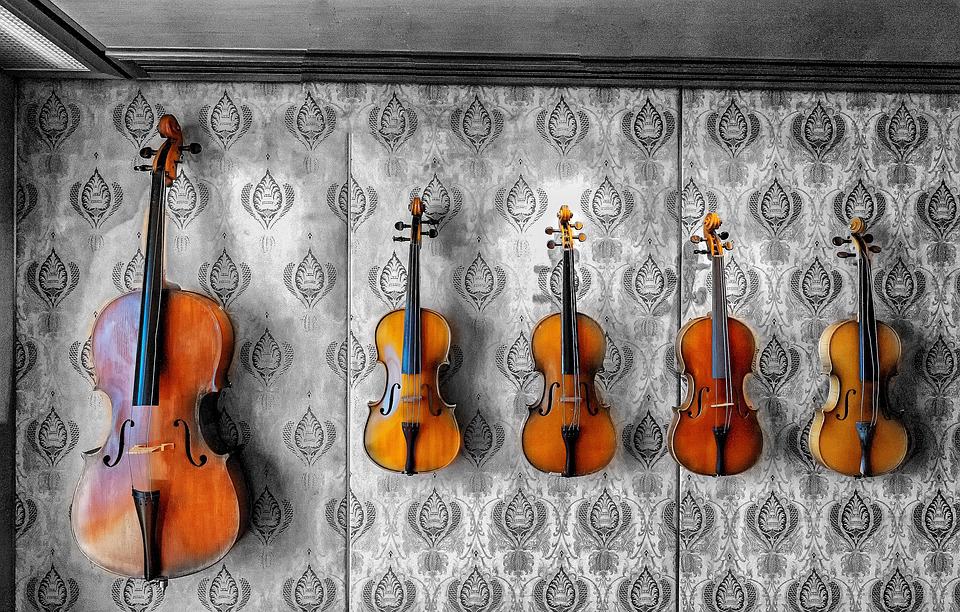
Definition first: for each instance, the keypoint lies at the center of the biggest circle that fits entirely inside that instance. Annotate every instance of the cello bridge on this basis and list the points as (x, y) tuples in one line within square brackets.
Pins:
[(143, 449), (724, 405)]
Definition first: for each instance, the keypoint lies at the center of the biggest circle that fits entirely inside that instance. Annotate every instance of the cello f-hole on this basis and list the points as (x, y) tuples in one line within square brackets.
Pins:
[(592, 409), (186, 443), (700, 393), (106, 458), (425, 391)]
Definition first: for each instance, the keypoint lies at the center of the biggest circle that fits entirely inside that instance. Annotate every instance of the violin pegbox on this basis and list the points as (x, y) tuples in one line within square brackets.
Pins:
[(716, 242), (417, 210), (567, 236), (859, 238)]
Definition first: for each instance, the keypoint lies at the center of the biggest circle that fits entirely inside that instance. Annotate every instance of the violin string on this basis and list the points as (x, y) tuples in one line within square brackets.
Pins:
[(728, 379)]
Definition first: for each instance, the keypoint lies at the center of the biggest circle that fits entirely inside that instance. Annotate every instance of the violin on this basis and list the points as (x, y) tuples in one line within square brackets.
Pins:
[(856, 432), (715, 430), (569, 430), (411, 429), (154, 501)]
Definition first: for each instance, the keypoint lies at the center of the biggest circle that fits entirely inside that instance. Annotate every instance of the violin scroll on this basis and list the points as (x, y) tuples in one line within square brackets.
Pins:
[(716, 241), (567, 237)]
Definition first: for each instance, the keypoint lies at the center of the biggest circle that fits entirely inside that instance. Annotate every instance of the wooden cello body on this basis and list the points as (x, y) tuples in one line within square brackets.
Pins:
[(411, 429), (855, 432), (154, 501), (569, 431), (715, 430)]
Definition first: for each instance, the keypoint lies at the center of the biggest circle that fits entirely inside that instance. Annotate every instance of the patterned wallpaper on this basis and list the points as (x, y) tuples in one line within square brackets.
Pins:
[(288, 225)]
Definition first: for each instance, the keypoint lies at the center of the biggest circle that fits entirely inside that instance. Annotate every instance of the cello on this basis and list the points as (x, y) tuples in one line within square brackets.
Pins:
[(856, 432), (715, 431), (411, 429), (153, 500), (569, 430)]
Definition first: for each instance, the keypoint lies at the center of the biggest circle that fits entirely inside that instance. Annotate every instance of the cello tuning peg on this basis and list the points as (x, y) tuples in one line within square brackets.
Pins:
[(400, 225), (696, 239), (699, 251), (728, 245), (868, 238), (874, 248), (838, 241), (723, 235), (550, 231), (147, 152), (143, 168), (551, 244), (578, 226), (581, 236), (432, 233), (431, 222), (401, 239), (193, 147), (845, 254)]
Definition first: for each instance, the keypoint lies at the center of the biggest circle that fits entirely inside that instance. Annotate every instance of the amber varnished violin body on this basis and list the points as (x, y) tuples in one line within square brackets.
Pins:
[(154, 500), (715, 430), (855, 432), (411, 429), (569, 431)]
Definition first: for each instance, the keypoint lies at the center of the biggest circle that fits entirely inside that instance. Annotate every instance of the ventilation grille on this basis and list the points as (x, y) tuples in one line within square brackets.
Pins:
[(23, 48)]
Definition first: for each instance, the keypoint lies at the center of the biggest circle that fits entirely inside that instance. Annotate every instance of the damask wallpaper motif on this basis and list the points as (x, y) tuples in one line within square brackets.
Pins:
[(286, 219)]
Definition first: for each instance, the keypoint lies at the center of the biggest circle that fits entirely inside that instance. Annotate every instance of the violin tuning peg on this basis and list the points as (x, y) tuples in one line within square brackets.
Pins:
[(147, 152), (550, 231), (143, 168), (551, 244), (581, 236), (401, 239), (193, 147), (845, 254), (838, 241), (868, 238), (578, 226), (432, 233), (874, 248), (400, 225), (723, 235), (696, 239)]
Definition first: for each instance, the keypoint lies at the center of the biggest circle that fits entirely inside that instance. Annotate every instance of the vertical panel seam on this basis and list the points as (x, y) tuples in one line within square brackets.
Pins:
[(679, 220), (348, 396)]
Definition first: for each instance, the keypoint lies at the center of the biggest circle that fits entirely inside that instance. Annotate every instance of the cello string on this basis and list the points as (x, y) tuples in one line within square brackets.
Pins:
[(861, 315), (576, 340), (728, 379), (876, 349)]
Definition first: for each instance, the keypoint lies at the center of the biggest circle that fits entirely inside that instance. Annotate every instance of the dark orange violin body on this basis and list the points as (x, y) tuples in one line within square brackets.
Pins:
[(856, 432), (569, 431), (154, 500), (715, 430)]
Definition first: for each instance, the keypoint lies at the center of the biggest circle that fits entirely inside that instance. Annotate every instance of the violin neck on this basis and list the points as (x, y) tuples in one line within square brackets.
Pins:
[(867, 320), (721, 341), (146, 382), (411, 319), (568, 315)]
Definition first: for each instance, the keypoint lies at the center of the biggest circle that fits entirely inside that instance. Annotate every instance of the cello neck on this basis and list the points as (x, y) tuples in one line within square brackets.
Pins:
[(146, 383), (720, 346), (411, 319)]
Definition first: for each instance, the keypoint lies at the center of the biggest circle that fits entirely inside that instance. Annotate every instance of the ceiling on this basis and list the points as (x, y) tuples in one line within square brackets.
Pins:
[(603, 41)]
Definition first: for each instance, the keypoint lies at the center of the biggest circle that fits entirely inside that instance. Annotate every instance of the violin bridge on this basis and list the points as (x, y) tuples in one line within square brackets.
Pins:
[(142, 449)]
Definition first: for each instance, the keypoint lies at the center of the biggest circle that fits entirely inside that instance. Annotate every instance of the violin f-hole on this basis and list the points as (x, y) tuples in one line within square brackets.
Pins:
[(186, 443), (388, 408), (700, 393), (106, 458), (543, 412), (846, 404)]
